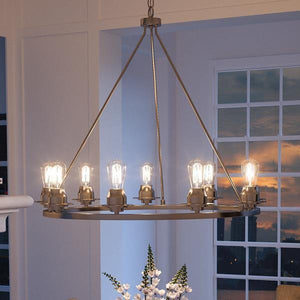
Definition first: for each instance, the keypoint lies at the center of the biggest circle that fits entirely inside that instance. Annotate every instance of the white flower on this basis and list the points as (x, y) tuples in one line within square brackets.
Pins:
[(161, 292), (157, 272), (126, 296), (184, 298), (120, 290), (126, 287), (139, 287), (155, 281), (188, 289), (151, 273), (118, 298), (137, 297)]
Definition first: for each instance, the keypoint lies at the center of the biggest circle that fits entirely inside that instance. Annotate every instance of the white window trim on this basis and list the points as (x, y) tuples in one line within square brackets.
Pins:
[(229, 65)]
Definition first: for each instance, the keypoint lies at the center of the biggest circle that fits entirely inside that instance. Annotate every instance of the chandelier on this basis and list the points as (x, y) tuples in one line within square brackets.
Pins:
[(201, 199)]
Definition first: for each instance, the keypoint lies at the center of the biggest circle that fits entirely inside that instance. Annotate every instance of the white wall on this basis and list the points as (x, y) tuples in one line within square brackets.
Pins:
[(195, 52), (121, 14)]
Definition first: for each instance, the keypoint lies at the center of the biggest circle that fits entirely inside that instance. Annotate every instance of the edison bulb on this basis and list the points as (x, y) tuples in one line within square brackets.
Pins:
[(116, 171), (195, 170), (46, 175), (250, 169), (208, 173), (147, 170), (57, 174), (85, 175)]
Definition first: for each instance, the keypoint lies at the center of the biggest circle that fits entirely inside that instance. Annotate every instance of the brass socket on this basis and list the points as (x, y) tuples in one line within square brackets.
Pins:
[(116, 200), (146, 194), (196, 199), (45, 197), (210, 194), (86, 195), (58, 200), (250, 197)]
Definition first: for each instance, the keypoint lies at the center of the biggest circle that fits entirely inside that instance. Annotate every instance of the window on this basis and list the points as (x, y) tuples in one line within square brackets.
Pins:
[(258, 116), (4, 249)]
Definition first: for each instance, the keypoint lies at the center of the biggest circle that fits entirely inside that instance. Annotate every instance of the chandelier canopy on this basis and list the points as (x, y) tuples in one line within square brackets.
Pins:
[(201, 198)]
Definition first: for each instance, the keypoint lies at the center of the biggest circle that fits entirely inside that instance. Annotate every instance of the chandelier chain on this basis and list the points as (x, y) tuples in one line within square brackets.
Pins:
[(150, 8)]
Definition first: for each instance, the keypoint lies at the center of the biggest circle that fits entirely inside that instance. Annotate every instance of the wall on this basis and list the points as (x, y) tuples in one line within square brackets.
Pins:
[(195, 52), (121, 14), (60, 98)]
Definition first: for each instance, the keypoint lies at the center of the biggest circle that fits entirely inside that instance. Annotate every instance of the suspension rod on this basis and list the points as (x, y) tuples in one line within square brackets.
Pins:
[(103, 107), (163, 202), (198, 116)]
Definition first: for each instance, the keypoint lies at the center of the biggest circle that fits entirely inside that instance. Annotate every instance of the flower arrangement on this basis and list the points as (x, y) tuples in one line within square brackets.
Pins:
[(176, 289)]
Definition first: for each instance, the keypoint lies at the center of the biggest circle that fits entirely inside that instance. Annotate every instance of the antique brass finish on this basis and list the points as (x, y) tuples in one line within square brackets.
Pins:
[(58, 200), (250, 197), (201, 200), (116, 200), (146, 194), (86, 195)]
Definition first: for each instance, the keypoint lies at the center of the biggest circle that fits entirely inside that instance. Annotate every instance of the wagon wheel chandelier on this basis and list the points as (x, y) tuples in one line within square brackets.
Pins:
[(201, 198)]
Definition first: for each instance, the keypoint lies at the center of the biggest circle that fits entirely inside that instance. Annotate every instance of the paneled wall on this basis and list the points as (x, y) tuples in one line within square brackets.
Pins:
[(120, 14)]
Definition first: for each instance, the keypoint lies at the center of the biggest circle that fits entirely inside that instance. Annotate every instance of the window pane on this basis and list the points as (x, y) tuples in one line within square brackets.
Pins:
[(4, 296), (232, 87), (232, 122), (264, 121), (290, 156), (3, 148), (263, 261), (290, 283), (4, 267), (231, 229), (290, 191), (260, 289), (268, 187), (266, 153), (4, 236), (231, 260), (290, 227), (291, 84), (263, 227), (232, 154), (230, 289), (264, 85), (291, 120), (290, 262), (226, 192)]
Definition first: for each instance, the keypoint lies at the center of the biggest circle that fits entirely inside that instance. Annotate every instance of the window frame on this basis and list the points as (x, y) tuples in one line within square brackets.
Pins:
[(247, 64)]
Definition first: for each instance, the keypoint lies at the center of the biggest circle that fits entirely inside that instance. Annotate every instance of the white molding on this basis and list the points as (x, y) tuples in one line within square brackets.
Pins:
[(205, 13)]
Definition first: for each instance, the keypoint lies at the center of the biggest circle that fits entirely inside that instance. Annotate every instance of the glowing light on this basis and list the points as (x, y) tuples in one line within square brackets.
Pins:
[(85, 175), (195, 170), (116, 172), (147, 173)]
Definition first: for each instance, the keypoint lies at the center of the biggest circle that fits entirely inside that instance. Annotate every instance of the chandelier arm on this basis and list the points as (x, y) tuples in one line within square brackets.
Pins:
[(103, 107), (163, 202), (198, 116)]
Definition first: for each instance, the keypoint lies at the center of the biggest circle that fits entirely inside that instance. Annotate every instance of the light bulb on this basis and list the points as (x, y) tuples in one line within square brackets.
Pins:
[(208, 173), (116, 173), (250, 169), (85, 175), (46, 174), (195, 170), (147, 173), (57, 174)]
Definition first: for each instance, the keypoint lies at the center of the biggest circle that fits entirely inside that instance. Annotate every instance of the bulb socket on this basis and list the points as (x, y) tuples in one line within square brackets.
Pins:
[(116, 200), (45, 197), (210, 194), (250, 197), (146, 194), (58, 200), (196, 199), (86, 195)]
